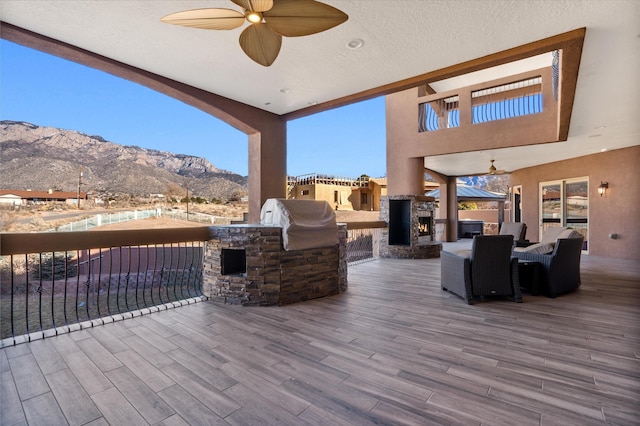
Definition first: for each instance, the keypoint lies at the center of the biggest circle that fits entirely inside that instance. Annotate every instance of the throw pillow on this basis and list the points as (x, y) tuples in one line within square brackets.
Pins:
[(538, 248), (569, 233), (463, 253), (551, 234)]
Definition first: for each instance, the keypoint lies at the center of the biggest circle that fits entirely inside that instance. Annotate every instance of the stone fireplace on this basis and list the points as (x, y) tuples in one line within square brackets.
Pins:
[(410, 232)]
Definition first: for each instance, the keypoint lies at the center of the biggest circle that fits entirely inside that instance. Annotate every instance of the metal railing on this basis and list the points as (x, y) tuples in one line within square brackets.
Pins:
[(106, 219), (482, 103), (315, 178), (76, 280), (363, 241), (439, 114), (124, 216), (506, 101), (198, 217)]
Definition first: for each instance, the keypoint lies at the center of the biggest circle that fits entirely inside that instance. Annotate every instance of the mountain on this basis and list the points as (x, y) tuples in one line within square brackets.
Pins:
[(42, 158)]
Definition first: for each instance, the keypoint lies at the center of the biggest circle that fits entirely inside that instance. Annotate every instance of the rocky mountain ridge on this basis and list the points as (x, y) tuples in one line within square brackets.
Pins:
[(42, 158)]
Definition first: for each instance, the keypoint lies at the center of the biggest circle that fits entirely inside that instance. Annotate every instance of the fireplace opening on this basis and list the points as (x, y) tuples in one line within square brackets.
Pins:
[(400, 222), (233, 262), (424, 226)]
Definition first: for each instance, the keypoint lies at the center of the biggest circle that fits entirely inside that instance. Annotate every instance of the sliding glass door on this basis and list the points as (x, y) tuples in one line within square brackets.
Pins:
[(565, 203), (550, 205)]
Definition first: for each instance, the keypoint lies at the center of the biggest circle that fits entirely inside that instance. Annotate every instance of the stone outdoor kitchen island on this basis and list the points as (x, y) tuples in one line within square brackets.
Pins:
[(263, 264)]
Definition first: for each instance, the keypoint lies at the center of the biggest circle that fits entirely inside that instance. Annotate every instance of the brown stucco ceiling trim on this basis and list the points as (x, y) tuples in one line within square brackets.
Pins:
[(570, 43)]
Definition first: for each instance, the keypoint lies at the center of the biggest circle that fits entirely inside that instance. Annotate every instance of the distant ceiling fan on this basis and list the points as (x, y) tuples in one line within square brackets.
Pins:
[(269, 20), (494, 171)]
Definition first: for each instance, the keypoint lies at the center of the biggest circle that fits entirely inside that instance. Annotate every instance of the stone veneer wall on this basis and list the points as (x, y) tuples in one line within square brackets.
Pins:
[(419, 248), (274, 276)]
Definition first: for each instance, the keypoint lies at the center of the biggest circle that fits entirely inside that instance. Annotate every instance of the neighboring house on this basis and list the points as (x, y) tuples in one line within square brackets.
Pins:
[(10, 200), (23, 198), (341, 193)]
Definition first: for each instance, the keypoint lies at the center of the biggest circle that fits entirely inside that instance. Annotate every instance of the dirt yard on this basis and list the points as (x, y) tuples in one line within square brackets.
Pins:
[(163, 222), (151, 223)]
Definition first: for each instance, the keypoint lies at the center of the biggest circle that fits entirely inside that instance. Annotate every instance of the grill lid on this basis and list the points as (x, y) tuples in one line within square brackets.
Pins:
[(305, 223)]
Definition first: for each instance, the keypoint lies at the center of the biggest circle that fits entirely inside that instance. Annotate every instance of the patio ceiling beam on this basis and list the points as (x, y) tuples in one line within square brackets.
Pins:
[(243, 117)]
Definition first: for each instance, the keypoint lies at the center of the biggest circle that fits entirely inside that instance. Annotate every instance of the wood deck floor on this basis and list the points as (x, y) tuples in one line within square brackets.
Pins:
[(394, 349)]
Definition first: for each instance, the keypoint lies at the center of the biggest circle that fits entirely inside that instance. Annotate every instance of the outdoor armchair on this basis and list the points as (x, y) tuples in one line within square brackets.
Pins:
[(486, 270), (517, 229), (559, 270)]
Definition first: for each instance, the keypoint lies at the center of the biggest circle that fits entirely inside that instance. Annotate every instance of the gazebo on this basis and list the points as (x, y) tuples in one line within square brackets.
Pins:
[(469, 193)]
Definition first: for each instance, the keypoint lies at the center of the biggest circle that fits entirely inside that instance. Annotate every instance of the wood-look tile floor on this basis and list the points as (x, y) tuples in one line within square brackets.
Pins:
[(394, 349)]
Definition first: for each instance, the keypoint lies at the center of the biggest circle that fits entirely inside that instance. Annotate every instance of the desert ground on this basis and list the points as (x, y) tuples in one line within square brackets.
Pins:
[(34, 220)]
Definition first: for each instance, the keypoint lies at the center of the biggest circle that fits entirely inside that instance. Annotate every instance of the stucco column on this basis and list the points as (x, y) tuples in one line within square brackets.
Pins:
[(449, 205), (405, 176), (267, 166), (405, 173)]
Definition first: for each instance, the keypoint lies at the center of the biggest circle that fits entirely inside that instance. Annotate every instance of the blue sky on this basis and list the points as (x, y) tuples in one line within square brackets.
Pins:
[(48, 91)]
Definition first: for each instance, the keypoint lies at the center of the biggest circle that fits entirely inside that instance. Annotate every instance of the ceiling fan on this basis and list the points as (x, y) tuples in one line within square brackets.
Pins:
[(269, 21), (494, 171)]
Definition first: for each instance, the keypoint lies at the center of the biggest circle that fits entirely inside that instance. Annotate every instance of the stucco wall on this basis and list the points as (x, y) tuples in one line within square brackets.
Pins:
[(490, 216), (615, 212)]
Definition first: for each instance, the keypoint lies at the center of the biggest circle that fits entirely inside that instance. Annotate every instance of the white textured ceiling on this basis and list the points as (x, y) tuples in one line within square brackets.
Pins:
[(402, 39)]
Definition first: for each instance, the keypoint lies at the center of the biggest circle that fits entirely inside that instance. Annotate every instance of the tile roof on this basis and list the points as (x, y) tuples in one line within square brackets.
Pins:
[(466, 192), (56, 195)]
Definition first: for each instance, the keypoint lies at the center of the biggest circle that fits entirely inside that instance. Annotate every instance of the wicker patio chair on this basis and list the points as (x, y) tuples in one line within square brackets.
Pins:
[(560, 269), (487, 270), (517, 229)]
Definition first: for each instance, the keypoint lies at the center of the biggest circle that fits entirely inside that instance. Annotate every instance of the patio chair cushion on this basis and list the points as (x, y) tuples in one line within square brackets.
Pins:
[(538, 248), (517, 229), (551, 234), (462, 253), (569, 233)]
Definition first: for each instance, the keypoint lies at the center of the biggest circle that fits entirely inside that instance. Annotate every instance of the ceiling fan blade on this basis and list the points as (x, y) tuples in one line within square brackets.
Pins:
[(208, 19), (295, 18), (260, 44), (494, 171), (255, 5)]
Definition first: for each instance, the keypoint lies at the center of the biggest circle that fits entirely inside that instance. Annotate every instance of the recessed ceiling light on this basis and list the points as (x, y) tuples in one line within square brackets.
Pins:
[(356, 43), (267, 103), (312, 103), (600, 127), (603, 150), (285, 90), (597, 135)]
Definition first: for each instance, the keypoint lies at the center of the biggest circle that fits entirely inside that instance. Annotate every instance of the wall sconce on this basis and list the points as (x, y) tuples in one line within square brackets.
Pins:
[(603, 188)]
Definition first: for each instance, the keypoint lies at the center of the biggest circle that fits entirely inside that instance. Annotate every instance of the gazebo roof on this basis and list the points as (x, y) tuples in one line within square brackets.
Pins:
[(468, 193)]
